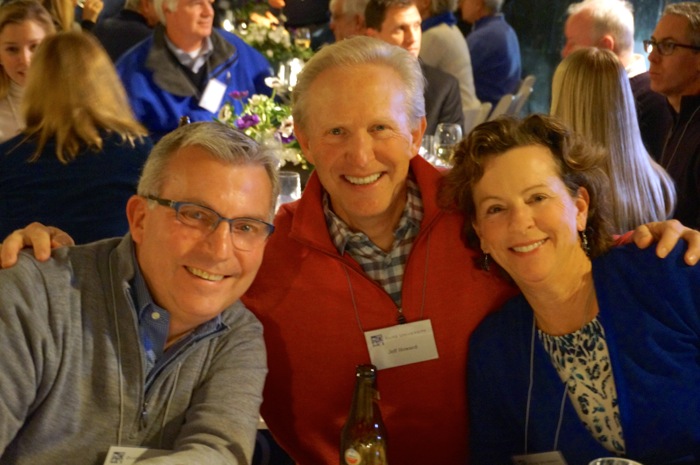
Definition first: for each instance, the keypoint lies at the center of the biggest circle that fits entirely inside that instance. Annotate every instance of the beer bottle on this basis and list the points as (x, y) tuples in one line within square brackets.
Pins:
[(363, 440)]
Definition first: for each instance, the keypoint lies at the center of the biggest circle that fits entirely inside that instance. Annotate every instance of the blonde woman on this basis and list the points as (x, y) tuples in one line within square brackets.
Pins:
[(63, 13), (591, 92), (23, 25), (79, 158)]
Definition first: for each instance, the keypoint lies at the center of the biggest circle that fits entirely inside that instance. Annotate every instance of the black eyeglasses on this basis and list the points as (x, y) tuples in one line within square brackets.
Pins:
[(665, 47), (246, 233)]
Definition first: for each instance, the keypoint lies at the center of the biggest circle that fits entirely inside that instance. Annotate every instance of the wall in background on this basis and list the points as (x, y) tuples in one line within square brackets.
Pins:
[(540, 28)]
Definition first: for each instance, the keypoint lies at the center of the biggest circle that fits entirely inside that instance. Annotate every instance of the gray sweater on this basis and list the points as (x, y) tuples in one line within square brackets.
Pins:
[(72, 370)]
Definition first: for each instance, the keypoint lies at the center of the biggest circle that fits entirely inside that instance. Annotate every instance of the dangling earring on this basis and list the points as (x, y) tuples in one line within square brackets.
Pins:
[(584, 243), (485, 265)]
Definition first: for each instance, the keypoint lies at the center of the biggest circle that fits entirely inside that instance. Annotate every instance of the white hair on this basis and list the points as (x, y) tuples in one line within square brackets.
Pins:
[(171, 5), (614, 17)]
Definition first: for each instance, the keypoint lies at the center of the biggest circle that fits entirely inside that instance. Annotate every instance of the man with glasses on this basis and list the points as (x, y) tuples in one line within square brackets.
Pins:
[(674, 57), (142, 341), (609, 24)]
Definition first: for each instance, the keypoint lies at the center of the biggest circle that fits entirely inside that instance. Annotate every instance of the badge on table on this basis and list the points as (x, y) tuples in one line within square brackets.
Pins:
[(123, 455)]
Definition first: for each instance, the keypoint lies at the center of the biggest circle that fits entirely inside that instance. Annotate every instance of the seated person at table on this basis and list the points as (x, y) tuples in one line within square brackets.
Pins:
[(142, 341), (599, 355), (78, 161), (591, 93), (189, 68), (317, 276)]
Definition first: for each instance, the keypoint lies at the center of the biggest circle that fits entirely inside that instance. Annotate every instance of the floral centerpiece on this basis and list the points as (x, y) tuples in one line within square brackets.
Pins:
[(269, 122), (273, 41)]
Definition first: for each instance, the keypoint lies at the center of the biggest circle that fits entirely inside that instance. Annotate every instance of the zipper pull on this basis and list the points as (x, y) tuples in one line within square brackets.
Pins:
[(144, 414)]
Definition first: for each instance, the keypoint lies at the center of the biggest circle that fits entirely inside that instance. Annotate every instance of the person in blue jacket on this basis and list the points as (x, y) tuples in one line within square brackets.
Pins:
[(494, 49), (188, 68), (600, 355)]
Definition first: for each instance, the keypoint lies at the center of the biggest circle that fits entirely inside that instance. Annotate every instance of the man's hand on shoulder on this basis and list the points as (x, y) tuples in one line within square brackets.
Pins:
[(41, 238), (668, 233)]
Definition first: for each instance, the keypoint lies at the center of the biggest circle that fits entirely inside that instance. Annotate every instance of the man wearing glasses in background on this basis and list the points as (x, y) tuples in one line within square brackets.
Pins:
[(674, 57), (141, 341)]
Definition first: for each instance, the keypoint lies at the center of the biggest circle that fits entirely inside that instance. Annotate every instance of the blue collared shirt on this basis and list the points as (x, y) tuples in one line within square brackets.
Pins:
[(192, 61), (154, 324)]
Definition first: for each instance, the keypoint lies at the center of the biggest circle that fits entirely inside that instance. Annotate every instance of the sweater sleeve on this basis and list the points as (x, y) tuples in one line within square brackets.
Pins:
[(28, 352)]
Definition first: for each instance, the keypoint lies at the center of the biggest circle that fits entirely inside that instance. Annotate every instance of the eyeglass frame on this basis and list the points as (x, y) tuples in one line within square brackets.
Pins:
[(666, 43), (175, 205)]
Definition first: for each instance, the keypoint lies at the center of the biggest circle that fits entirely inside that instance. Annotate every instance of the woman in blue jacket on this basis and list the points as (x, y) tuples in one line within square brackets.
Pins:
[(600, 355)]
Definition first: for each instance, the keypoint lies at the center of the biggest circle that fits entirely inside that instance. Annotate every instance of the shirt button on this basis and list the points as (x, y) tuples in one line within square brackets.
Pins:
[(155, 315)]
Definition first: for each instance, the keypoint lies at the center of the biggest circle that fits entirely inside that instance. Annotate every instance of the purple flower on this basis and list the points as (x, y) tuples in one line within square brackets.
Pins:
[(246, 121), (286, 139), (239, 94)]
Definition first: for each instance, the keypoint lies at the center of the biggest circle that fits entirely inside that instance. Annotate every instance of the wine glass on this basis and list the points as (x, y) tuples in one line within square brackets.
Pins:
[(447, 135), (290, 187), (302, 37)]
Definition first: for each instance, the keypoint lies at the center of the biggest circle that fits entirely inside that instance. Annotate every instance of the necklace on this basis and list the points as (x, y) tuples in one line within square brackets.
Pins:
[(531, 381)]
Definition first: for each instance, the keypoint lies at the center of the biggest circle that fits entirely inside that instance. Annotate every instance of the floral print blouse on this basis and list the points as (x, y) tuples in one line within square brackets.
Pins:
[(583, 363)]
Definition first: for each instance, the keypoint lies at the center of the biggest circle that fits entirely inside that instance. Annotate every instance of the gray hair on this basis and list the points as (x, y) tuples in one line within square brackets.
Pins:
[(355, 7), (494, 6), (158, 5), (360, 50), (690, 11), (221, 141), (442, 6), (614, 17)]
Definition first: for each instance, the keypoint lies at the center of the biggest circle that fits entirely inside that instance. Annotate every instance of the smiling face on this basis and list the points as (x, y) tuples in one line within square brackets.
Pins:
[(677, 74), (358, 136), (190, 23), (195, 276), (17, 45), (402, 27), (527, 219)]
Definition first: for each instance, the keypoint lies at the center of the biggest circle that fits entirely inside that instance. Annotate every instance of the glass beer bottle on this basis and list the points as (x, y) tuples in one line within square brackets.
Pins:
[(363, 440)]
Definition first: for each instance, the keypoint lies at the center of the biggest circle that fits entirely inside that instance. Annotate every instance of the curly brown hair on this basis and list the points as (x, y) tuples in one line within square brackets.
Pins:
[(580, 164)]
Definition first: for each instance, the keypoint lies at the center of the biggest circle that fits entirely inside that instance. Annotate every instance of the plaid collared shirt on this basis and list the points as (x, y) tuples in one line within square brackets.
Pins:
[(386, 268)]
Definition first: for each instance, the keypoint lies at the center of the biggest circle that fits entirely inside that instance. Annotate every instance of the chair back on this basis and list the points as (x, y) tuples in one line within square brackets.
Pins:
[(522, 95), (502, 107)]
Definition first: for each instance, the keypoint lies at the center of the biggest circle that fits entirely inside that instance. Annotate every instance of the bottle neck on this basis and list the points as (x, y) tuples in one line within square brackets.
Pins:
[(363, 399)]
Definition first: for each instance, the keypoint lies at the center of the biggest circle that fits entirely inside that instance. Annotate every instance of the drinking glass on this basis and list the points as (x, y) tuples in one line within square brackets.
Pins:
[(613, 461), (447, 135), (427, 147), (302, 37), (290, 187)]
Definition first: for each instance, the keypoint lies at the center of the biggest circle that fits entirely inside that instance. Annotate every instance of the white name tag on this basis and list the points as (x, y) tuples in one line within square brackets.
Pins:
[(212, 96), (401, 344), (543, 458), (122, 455)]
